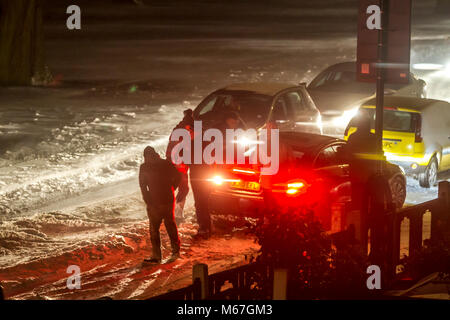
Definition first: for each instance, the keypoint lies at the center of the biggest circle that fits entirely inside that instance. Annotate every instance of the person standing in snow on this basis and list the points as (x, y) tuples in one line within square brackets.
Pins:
[(183, 189), (371, 193), (158, 178), (362, 151)]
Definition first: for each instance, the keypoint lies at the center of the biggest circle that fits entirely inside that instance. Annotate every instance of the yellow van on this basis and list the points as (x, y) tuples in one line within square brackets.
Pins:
[(416, 135)]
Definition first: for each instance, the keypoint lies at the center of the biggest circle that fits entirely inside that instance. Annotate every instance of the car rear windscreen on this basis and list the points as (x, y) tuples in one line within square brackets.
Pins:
[(253, 108), (393, 120)]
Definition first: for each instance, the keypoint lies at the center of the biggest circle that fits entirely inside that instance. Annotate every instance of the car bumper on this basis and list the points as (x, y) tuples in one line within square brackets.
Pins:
[(234, 204)]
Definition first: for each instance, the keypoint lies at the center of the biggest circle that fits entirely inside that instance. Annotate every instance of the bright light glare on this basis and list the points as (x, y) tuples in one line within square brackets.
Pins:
[(217, 180), (247, 142), (243, 171), (292, 191), (345, 118), (296, 185), (319, 123), (428, 66)]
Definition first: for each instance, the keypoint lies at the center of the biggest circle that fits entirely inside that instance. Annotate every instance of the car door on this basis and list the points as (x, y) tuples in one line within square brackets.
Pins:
[(305, 113), (331, 184), (329, 166), (281, 113)]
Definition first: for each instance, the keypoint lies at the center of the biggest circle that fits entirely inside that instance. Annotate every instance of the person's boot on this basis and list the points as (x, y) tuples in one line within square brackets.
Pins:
[(174, 256), (153, 260)]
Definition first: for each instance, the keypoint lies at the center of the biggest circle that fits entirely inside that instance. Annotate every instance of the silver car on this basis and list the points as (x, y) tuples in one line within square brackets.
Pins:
[(338, 95), (285, 106)]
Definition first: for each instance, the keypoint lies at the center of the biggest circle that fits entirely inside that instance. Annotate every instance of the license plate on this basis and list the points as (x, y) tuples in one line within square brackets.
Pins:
[(246, 185)]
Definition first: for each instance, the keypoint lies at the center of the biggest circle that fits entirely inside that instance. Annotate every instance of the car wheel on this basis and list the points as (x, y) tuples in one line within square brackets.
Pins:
[(398, 190), (428, 178)]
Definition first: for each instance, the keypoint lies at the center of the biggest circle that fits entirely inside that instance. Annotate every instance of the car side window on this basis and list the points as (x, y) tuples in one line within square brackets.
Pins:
[(322, 79), (341, 156), (295, 102), (280, 109), (327, 157), (208, 106)]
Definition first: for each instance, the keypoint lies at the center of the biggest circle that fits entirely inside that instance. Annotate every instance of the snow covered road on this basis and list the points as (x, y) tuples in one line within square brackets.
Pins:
[(69, 154)]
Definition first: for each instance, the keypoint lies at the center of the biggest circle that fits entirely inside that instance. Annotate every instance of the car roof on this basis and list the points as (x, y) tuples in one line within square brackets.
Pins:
[(404, 102), (349, 66), (265, 88), (308, 142), (343, 66)]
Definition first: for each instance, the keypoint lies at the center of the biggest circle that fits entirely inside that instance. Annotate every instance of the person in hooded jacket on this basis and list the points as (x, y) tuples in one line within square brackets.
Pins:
[(158, 178)]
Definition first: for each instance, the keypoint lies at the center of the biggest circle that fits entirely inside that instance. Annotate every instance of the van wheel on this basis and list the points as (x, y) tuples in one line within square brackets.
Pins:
[(428, 178)]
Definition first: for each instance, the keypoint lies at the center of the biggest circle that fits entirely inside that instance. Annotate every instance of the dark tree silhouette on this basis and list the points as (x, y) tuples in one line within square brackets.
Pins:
[(21, 42)]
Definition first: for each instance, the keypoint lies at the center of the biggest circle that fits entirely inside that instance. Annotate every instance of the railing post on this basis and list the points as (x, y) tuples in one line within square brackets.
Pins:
[(415, 233), (355, 218), (444, 193), (200, 271), (440, 218), (393, 246), (280, 284)]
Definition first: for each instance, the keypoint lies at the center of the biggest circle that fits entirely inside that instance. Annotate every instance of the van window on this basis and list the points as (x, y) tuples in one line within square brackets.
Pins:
[(393, 120), (397, 121)]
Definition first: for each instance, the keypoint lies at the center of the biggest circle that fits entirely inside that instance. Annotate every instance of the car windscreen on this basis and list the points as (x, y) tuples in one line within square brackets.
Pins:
[(302, 150), (345, 81), (393, 120), (253, 108)]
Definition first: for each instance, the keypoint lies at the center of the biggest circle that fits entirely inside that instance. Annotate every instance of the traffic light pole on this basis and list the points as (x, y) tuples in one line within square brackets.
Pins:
[(381, 56)]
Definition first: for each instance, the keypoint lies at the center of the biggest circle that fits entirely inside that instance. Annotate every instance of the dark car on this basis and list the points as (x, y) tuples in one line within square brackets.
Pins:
[(338, 95), (287, 107), (312, 173)]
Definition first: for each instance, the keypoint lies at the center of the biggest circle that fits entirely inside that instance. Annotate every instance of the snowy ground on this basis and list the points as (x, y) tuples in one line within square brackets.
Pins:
[(69, 154)]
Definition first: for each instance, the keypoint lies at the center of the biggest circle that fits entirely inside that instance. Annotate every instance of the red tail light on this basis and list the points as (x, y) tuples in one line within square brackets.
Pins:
[(418, 135), (296, 187)]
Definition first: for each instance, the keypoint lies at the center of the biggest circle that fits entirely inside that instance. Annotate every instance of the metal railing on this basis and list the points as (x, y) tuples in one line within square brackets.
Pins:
[(390, 231), (256, 281), (251, 281)]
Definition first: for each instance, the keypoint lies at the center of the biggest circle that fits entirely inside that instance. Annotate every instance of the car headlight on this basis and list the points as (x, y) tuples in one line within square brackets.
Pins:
[(428, 66), (344, 119)]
